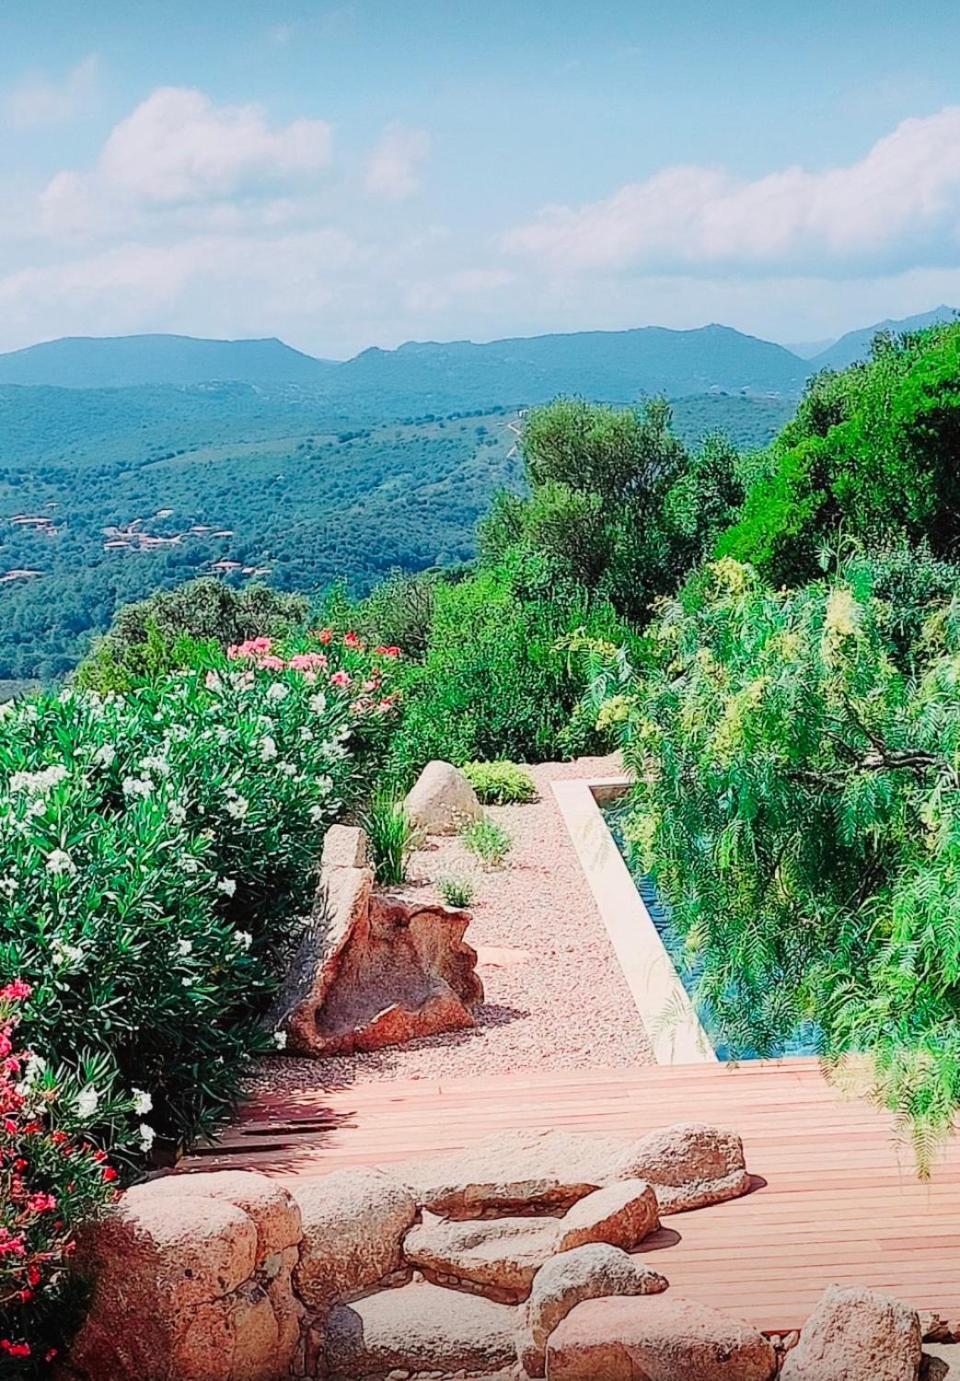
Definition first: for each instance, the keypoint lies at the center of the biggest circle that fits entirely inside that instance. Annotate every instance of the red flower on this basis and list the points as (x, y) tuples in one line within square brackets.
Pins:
[(110, 1174), (325, 636), (390, 651), (351, 640)]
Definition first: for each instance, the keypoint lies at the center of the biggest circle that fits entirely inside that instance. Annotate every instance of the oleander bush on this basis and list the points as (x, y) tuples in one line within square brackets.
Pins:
[(52, 1181), (157, 850), (500, 783), (797, 800)]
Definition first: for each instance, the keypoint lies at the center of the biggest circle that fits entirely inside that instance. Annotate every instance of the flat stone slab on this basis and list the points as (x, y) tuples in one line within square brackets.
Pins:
[(419, 1328)]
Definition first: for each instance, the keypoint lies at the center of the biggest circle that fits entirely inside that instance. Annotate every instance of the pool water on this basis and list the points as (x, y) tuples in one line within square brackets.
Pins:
[(803, 1040)]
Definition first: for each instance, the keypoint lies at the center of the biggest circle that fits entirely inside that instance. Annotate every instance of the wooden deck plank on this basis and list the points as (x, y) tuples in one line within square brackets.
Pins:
[(838, 1198)]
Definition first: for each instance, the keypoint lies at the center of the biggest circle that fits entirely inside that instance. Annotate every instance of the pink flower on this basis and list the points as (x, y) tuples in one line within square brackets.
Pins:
[(308, 661), (390, 651), (212, 681), (341, 680), (271, 663), (253, 647), (17, 991)]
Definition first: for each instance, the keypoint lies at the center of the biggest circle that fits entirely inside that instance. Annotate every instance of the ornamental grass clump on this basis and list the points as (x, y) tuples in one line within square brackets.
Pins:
[(392, 839), (52, 1180), (157, 850)]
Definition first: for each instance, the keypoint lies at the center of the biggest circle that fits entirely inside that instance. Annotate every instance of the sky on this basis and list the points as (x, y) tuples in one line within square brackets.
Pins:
[(347, 173)]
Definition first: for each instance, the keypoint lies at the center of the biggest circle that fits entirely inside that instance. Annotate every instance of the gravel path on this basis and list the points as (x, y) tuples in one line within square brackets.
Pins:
[(555, 995)]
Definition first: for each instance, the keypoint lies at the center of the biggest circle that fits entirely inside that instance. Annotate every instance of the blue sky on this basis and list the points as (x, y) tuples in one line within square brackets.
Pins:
[(366, 172)]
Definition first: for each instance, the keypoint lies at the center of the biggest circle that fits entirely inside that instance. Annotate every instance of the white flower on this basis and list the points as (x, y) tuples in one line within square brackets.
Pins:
[(60, 862), (268, 749), (179, 731), (137, 786), (243, 938), (37, 807), (306, 733), (227, 886), (155, 764), (190, 865), (106, 755), (8, 885), (64, 955), (212, 682), (237, 806), (288, 769), (177, 813), (88, 1100), (318, 702), (317, 813), (142, 1101), (147, 1136), (277, 692), (223, 736), (280, 1039), (184, 947), (186, 982), (37, 782)]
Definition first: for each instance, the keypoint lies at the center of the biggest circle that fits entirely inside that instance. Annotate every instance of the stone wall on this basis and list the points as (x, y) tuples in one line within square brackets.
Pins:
[(517, 1258)]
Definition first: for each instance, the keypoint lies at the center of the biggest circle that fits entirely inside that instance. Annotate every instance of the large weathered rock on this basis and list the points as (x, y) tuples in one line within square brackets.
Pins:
[(513, 1172), (499, 1257), (689, 1165), (856, 1335), (621, 1215), (441, 800), (345, 846), (354, 1222), (543, 1171), (373, 971), (590, 1272), (655, 1338), (192, 1280), (419, 1328)]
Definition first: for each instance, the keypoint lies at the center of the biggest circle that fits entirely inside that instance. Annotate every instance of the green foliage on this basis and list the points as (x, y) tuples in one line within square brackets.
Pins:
[(156, 851), (492, 683), (500, 783), (392, 838), (456, 891), (185, 627), (872, 452), (797, 801), (489, 841)]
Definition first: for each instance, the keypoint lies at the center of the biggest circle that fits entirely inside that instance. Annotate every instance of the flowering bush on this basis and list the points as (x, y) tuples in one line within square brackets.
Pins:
[(157, 850), (51, 1179)]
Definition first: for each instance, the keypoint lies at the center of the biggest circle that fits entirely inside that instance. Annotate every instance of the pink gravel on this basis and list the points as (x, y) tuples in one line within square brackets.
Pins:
[(555, 996)]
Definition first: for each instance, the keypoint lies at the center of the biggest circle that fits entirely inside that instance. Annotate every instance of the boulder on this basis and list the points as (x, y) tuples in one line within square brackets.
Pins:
[(497, 1257), (564, 1281), (621, 1215), (192, 1278), (513, 1173), (656, 1338), (441, 800), (345, 846), (689, 1165), (857, 1335), (419, 1328), (373, 971), (354, 1222)]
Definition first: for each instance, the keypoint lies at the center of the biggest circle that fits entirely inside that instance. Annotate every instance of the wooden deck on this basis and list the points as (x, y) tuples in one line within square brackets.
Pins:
[(836, 1198)]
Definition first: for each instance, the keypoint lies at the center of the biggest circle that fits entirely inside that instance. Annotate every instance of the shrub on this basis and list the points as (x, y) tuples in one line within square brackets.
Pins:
[(392, 839), (500, 783), (493, 683), (872, 451), (488, 840), (176, 628), (51, 1181), (798, 802), (456, 891), (156, 851)]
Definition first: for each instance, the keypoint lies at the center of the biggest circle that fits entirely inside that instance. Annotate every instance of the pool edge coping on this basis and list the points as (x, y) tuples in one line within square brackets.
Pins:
[(648, 970)]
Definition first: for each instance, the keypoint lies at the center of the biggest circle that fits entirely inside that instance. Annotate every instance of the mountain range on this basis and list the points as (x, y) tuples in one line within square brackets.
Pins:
[(618, 366)]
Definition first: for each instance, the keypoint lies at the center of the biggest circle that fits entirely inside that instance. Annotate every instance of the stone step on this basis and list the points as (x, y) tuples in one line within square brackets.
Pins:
[(420, 1328)]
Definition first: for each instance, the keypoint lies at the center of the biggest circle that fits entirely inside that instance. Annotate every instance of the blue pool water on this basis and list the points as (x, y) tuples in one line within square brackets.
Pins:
[(802, 1041)]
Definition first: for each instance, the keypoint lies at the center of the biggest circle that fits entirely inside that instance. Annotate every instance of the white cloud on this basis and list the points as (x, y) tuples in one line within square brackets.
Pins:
[(38, 100), (177, 149), (899, 204), (392, 172)]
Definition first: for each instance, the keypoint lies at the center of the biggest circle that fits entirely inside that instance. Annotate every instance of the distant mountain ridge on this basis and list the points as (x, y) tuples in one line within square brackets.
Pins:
[(419, 376)]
